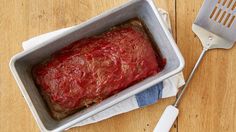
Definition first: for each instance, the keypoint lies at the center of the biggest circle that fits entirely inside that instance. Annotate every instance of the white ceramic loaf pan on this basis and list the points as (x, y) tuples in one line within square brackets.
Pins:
[(145, 10)]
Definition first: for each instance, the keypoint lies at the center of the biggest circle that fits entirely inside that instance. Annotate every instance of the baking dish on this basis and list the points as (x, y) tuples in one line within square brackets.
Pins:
[(145, 10)]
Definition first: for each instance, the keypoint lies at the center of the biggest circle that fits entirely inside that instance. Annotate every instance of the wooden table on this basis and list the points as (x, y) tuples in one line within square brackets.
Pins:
[(209, 104)]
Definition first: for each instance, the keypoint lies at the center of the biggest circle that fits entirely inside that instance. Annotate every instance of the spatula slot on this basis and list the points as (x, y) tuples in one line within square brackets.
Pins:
[(226, 19), (229, 3), (217, 15), (231, 21), (222, 16), (224, 2), (234, 6), (213, 12)]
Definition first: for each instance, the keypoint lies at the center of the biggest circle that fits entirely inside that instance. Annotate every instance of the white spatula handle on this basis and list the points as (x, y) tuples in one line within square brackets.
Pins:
[(167, 119)]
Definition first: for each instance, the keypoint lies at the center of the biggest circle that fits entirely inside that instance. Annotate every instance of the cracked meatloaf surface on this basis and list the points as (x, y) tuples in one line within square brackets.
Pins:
[(94, 68)]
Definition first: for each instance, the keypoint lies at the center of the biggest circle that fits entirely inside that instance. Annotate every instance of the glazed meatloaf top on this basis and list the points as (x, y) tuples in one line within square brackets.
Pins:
[(94, 68)]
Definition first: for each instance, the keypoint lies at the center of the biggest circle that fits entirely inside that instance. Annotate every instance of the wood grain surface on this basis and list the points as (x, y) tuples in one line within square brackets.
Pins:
[(209, 104)]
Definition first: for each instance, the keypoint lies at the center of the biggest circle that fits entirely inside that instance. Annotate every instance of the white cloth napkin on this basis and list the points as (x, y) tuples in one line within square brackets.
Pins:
[(168, 88)]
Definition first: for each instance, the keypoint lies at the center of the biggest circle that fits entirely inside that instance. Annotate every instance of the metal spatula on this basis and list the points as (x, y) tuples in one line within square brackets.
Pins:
[(215, 26)]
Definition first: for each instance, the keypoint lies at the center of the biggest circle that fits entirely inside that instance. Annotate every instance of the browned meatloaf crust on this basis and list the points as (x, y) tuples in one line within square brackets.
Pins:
[(94, 68)]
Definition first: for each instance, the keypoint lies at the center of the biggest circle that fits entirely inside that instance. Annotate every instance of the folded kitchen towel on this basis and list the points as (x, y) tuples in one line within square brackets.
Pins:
[(167, 88)]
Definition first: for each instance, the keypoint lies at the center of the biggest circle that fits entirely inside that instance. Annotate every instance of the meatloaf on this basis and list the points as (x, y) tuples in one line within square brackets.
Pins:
[(94, 68)]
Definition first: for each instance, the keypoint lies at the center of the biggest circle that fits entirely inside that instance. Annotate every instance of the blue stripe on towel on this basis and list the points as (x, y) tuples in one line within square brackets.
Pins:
[(150, 95)]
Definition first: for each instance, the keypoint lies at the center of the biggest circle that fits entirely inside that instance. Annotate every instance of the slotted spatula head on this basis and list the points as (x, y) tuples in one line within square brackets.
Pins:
[(215, 24)]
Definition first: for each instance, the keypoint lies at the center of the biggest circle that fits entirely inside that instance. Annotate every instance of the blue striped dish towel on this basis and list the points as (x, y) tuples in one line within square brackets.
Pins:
[(167, 88)]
